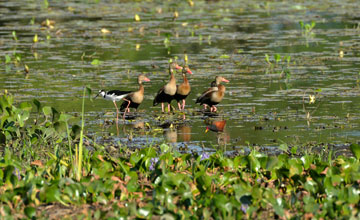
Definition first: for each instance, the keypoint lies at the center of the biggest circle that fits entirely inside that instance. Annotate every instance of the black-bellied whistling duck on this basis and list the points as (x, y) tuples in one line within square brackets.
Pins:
[(166, 93), (117, 95), (134, 99), (183, 90), (213, 95)]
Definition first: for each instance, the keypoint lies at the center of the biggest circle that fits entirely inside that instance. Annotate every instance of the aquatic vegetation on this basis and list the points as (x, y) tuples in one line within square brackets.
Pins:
[(157, 181), (278, 65), (283, 171), (307, 29)]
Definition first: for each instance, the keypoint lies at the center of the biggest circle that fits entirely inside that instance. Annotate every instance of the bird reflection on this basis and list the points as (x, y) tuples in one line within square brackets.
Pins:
[(138, 127), (215, 125), (180, 131), (171, 135), (184, 131), (218, 126)]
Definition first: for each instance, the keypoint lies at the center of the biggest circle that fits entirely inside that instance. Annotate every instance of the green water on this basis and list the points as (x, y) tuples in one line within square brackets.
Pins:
[(228, 38)]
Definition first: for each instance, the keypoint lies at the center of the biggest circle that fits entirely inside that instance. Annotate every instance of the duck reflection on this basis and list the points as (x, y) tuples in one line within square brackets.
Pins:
[(137, 127), (171, 135), (184, 132), (218, 126)]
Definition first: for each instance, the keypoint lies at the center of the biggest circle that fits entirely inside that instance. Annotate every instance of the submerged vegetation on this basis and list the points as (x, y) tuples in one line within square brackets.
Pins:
[(39, 157)]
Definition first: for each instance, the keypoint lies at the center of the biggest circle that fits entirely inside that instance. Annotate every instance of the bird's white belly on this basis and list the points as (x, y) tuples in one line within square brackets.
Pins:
[(114, 97)]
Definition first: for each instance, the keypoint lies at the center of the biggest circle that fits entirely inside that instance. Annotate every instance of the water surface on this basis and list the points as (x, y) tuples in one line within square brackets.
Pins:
[(229, 38)]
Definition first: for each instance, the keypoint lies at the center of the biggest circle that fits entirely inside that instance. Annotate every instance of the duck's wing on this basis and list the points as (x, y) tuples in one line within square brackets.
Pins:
[(158, 96), (206, 94)]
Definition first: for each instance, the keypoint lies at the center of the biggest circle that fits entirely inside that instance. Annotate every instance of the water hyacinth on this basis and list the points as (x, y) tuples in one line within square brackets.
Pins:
[(244, 207), (153, 161), (204, 156)]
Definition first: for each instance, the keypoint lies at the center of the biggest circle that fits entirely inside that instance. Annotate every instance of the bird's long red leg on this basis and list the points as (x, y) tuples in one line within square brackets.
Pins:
[(162, 107), (117, 112), (169, 108), (183, 105), (127, 108), (179, 105)]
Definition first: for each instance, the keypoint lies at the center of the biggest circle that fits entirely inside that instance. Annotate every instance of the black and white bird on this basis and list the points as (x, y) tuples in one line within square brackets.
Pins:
[(114, 96), (132, 99)]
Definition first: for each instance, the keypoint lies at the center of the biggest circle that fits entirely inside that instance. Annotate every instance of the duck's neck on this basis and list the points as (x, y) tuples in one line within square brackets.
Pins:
[(141, 88), (172, 78), (221, 88), (186, 81)]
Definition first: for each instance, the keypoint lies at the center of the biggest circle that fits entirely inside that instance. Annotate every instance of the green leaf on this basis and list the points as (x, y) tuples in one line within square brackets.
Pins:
[(311, 186), (51, 194), (277, 58), (60, 127), (25, 106), (295, 167), (7, 59), (55, 114), (310, 205), (65, 117), (164, 148), (224, 56), (47, 111), (22, 116), (75, 131), (96, 62), (37, 104), (353, 195), (293, 150), (355, 149), (306, 159), (336, 179), (30, 212), (14, 35), (313, 23), (301, 24), (267, 58), (144, 212), (284, 147), (272, 162), (89, 92), (278, 207)]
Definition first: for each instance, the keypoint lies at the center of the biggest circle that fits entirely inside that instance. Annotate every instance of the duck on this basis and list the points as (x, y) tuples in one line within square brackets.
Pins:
[(166, 93), (135, 98), (213, 95), (183, 90)]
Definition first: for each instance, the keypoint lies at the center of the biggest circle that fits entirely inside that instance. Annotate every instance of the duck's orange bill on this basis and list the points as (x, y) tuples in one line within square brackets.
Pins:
[(225, 80), (188, 71), (146, 79), (178, 67), (207, 129)]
